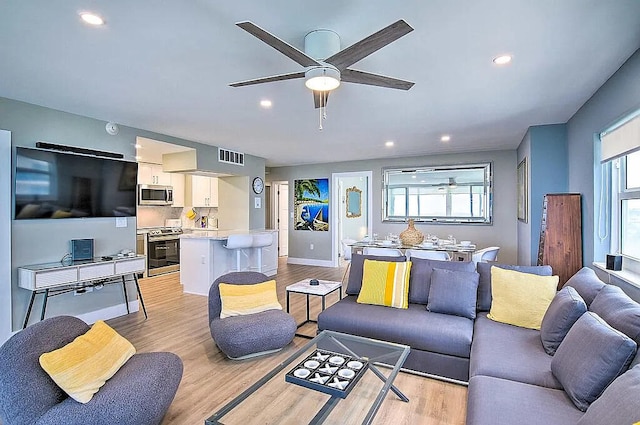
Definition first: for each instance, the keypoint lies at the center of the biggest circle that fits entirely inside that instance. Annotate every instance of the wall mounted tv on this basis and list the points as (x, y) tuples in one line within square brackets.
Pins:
[(51, 184)]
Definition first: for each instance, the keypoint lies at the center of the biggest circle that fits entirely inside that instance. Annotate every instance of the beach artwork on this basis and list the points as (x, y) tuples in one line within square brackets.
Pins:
[(311, 204)]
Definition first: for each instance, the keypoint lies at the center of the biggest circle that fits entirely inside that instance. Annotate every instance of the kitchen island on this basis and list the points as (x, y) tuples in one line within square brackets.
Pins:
[(203, 258)]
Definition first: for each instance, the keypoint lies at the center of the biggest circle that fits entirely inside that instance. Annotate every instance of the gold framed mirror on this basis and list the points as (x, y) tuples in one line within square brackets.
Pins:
[(354, 202)]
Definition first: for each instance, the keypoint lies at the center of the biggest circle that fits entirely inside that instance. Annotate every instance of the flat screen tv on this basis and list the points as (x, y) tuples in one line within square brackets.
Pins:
[(51, 184)]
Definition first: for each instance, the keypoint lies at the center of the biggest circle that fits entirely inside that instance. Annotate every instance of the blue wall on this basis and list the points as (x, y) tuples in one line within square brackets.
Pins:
[(545, 147), (548, 173)]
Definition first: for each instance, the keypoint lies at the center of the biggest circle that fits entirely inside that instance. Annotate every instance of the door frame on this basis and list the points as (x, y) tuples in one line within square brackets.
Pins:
[(335, 208), (6, 311), (275, 210)]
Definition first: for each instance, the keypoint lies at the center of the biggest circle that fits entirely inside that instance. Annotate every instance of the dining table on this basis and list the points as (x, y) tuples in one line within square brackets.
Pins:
[(457, 251)]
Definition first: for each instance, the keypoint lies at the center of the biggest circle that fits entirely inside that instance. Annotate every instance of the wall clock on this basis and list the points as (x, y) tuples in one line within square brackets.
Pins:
[(258, 185)]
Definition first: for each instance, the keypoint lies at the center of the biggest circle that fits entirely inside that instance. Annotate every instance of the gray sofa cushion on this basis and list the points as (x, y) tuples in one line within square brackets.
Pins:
[(618, 405), (510, 352), (357, 267), (565, 308), (416, 327), (618, 310), (484, 284), (453, 292), (590, 357), (586, 282), (420, 279), (503, 402)]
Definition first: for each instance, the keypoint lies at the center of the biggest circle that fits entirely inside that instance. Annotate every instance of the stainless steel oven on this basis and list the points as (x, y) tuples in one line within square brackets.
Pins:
[(163, 251)]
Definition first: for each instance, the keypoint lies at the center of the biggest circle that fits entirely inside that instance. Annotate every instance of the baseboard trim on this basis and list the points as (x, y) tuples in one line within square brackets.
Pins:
[(109, 312), (310, 262)]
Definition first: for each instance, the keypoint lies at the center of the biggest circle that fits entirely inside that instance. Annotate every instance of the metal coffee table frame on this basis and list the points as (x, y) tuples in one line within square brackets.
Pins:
[(336, 338)]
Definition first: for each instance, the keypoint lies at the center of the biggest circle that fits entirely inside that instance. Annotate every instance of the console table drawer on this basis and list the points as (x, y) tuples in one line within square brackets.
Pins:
[(130, 266), (95, 271), (46, 279)]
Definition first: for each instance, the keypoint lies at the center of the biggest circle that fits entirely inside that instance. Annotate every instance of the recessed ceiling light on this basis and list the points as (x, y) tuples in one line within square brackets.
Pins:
[(445, 138), (266, 103), (388, 143), (138, 157), (138, 146), (502, 59), (91, 18)]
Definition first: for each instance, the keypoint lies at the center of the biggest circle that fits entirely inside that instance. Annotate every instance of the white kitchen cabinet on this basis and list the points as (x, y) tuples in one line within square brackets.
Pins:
[(177, 182), (152, 174), (204, 191)]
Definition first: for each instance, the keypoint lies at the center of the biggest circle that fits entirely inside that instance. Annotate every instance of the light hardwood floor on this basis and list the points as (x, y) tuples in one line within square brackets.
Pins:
[(178, 323)]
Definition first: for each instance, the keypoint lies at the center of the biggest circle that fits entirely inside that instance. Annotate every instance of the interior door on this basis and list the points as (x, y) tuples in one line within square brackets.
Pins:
[(283, 219)]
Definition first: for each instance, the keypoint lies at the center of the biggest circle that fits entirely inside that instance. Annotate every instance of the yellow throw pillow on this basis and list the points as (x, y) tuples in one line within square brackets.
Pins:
[(520, 299), (385, 283), (238, 300), (83, 366)]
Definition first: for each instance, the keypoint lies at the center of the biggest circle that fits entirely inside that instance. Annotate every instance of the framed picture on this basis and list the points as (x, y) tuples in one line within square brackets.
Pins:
[(522, 190), (311, 203)]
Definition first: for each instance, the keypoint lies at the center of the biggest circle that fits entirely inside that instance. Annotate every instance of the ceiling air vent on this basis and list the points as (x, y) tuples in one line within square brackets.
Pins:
[(230, 157)]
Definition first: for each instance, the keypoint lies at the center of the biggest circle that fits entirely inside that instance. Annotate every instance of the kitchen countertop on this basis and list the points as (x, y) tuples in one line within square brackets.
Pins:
[(220, 234)]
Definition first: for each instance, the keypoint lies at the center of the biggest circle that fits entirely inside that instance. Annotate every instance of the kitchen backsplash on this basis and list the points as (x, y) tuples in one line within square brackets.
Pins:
[(155, 216)]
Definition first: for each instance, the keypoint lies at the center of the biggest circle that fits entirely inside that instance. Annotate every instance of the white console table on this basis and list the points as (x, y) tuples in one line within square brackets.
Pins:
[(57, 278)]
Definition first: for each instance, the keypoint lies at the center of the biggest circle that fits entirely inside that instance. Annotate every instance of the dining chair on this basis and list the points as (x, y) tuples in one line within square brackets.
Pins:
[(485, 254), (346, 248), (429, 255), (383, 252)]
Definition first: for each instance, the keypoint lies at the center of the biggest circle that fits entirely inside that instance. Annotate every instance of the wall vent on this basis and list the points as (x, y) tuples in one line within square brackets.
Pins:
[(230, 157)]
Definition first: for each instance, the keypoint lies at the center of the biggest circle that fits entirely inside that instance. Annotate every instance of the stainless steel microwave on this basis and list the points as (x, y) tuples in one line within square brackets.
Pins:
[(155, 195)]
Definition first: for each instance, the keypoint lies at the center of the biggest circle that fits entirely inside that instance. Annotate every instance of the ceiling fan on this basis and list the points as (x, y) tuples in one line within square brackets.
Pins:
[(326, 65)]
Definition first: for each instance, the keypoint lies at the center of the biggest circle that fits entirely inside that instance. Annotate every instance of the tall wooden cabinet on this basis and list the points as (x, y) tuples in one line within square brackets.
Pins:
[(561, 235)]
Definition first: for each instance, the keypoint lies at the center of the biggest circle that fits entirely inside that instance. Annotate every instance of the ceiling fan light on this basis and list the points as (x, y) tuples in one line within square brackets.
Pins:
[(322, 78)]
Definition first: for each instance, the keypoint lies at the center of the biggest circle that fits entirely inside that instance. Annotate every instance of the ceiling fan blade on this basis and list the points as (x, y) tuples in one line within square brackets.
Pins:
[(361, 77), (283, 47), (368, 45), (281, 77), (320, 98)]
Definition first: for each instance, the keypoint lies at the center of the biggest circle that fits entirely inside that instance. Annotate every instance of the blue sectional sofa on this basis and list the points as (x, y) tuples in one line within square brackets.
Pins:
[(511, 377)]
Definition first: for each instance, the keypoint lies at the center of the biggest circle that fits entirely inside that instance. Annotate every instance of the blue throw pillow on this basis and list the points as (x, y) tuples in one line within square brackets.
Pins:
[(420, 279), (565, 308), (618, 405), (589, 358), (453, 292)]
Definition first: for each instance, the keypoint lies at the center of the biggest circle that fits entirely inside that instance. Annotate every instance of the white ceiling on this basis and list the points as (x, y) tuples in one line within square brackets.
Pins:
[(165, 67)]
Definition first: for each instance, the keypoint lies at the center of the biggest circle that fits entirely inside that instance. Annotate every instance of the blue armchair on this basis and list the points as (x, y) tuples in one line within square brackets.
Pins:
[(241, 337)]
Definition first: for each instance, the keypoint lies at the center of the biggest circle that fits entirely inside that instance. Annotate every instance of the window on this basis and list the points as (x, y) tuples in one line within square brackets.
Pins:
[(443, 194), (628, 200)]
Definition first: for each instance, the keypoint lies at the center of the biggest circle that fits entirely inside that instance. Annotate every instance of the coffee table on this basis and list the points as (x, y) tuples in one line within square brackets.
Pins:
[(324, 288), (272, 400)]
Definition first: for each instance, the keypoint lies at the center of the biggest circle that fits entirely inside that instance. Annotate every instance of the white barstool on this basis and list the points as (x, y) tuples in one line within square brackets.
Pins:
[(237, 243), (261, 240)]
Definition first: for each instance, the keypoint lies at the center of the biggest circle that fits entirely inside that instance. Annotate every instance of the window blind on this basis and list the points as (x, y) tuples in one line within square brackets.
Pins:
[(622, 140)]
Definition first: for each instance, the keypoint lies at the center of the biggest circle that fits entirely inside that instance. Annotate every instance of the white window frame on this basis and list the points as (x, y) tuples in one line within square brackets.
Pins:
[(619, 194)]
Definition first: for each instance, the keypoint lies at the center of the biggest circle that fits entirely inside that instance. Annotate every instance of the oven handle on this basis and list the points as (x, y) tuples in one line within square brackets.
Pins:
[(163, 238)]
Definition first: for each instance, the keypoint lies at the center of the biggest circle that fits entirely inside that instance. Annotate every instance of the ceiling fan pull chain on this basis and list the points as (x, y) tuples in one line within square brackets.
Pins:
[(320, 126)]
